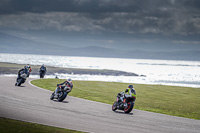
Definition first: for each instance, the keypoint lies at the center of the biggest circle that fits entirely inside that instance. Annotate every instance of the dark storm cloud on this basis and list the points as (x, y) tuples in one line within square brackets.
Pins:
[(166, 17), (40, 6), (91, 6)]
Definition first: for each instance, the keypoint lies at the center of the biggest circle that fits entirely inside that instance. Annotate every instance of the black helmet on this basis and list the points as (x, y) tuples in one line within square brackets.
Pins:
[(130, 86)]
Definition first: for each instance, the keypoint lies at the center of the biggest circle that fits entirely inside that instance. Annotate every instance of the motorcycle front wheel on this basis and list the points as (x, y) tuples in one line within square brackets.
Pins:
[(52, 96), (19, 82), (41, 75), (114, 106)]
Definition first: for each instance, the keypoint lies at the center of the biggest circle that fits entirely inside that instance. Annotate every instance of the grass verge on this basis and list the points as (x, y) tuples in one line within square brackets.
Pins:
[(171, 100), (15, 126)]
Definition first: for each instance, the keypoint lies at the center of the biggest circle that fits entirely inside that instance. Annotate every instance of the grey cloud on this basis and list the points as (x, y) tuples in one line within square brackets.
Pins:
[(91, 6), (166, 17), (50, 21), (182, 24)]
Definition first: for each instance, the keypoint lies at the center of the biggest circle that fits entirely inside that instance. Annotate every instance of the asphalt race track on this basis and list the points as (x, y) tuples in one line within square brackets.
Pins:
[(32, 104)]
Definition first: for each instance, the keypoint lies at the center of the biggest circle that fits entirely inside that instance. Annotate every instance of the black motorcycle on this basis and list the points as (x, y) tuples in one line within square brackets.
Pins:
[(126, 105), (61, 94), (21, 79), (42, 73)]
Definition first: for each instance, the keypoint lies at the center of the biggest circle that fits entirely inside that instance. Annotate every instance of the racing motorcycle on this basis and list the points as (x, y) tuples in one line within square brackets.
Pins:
[(21, 79), (61, 94), (126, 105)]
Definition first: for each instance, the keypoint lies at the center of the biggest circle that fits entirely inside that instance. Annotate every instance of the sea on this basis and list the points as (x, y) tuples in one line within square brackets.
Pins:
[(157, 72)]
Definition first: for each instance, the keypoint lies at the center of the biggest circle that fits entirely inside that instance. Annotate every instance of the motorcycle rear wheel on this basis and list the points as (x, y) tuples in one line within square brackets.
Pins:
[(62, 97), (129, 108)]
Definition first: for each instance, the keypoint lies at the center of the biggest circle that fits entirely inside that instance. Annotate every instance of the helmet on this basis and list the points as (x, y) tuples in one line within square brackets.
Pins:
[(70, 83), (27, 66), (130, 86), (69, 80)]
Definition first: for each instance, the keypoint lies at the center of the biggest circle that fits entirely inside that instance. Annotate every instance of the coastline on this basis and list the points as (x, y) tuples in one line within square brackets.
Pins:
[(87, 74), (13, 68)]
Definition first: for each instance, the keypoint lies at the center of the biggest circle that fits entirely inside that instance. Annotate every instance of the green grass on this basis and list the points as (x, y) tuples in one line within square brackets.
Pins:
[(171, 100), (15, 126)]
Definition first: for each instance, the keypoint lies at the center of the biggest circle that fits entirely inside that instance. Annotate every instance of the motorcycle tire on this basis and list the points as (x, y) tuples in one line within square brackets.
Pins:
[(52, 97), (19, 82), (16, 84), (41, 76), (62, 97), (114, 106), (129, 108)]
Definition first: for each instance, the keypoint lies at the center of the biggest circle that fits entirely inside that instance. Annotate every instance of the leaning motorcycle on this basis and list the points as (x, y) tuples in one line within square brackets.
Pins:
[(21, 79), (126, 105), (61, 95)]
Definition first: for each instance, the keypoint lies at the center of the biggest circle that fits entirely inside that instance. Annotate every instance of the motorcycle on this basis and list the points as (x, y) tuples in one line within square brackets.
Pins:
[(21, 79), (61, 95), (126, 105), (42, 73)]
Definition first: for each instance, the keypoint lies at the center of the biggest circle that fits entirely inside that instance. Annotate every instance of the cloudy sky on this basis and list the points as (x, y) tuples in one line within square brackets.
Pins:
[(156, 25)]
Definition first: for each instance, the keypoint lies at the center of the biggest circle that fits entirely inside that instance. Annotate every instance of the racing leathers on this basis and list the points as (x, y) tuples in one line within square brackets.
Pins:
[(21, 71), (28, 67), (129, 91)]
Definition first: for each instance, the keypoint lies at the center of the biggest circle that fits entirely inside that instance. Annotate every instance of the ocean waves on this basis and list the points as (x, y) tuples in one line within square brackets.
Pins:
[(164, 72)]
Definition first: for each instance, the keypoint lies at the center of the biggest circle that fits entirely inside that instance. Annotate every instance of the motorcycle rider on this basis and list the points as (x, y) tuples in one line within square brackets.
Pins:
[(68, 85), (23, 70), (43, 68), (130, 91), (29, 69)]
